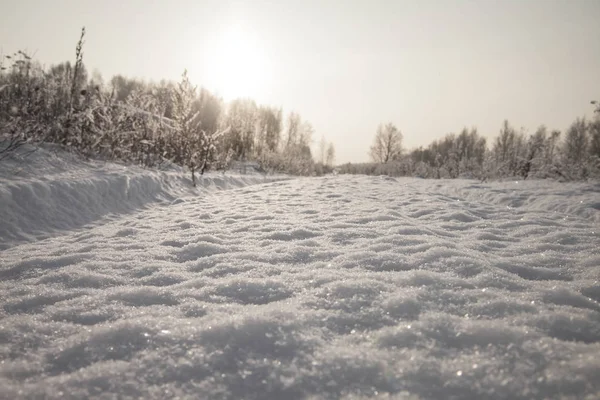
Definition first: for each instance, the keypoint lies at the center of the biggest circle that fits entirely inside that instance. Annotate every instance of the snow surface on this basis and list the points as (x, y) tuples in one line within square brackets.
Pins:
[(334, 287), (44, 191)]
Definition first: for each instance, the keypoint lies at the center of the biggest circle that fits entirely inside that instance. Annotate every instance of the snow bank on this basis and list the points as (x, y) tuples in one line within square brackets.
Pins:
[(44, 191), (570, 199), (336, 287)]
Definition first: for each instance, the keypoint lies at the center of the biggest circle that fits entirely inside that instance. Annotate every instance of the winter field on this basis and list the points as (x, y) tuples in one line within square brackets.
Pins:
[(124, 283)]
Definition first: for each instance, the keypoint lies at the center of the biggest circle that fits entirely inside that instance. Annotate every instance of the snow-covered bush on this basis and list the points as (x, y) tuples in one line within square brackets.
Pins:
[(142, 123)]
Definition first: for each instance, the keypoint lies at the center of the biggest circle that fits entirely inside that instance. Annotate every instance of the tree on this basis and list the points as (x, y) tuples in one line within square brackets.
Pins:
[(306, 132), (551, 146), (575, 148), (268, 129), (594, 131), (330, 157), (209, 109), (193, 145), (576, 141), (445, 156), (322, 150), (503, 146), (293, 129), (79, 74), (122, 86), (535, 147), (469, 151), (387, 145), (241, 120), (509, 151)]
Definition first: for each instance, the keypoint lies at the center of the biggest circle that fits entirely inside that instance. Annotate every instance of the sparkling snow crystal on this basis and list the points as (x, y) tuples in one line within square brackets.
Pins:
[(342, 286)]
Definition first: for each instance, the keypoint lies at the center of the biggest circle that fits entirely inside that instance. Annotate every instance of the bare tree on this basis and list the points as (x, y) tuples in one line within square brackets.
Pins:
[(330, 157), (387, 145), (305, 135), (322, 150), (293, 129)]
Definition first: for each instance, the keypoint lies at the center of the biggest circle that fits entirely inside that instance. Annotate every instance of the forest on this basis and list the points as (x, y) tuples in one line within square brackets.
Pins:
[(574, 155), (159, 123)]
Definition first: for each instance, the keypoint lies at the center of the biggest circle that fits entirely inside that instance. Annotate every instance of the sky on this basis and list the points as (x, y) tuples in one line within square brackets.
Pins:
[(429, 67)]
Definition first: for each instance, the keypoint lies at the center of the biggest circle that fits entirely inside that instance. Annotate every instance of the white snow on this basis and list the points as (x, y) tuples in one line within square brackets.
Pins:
[(44, 191), (334, 287)]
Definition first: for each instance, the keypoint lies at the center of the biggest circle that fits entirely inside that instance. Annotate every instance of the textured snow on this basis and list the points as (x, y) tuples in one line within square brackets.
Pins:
[(334, 287), (44, 191)]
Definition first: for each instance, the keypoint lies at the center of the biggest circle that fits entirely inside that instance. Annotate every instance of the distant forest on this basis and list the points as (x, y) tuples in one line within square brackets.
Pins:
[(153, 124), (574, 155)]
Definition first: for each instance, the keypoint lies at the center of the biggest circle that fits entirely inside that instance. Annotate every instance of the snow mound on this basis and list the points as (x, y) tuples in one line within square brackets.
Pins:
[(44, 191), (570, 199)]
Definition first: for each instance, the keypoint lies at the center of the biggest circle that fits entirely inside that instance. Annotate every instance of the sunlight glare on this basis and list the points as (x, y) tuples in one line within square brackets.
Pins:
[(237, 66)]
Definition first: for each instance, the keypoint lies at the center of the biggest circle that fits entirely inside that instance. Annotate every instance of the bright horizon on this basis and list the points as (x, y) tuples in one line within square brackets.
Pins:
[(429, 67)]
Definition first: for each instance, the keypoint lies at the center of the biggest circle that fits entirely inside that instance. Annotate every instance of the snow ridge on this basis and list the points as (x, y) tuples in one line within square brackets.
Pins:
[(48, 191)]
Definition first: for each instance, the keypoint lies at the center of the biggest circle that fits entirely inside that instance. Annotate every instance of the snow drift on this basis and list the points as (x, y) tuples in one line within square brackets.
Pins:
[(44, 191)]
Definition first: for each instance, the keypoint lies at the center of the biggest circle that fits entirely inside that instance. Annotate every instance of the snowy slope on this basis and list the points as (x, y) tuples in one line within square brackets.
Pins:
[(44, 191), (342, 286)]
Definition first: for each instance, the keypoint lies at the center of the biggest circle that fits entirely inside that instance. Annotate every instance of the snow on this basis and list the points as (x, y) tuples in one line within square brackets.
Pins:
[(334, 287), (44, 191)]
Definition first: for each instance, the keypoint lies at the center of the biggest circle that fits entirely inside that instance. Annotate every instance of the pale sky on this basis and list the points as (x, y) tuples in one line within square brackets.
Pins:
[(430, 67)]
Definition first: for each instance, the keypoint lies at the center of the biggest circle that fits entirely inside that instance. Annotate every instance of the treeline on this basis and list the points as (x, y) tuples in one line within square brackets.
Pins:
[(148, 123), (574, 155)]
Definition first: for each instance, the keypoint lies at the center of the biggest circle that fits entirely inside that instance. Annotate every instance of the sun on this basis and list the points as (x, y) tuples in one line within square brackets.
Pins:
[(237, 65)]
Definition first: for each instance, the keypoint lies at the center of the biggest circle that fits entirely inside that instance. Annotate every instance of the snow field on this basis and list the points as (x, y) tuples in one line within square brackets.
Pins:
[(335, 287)]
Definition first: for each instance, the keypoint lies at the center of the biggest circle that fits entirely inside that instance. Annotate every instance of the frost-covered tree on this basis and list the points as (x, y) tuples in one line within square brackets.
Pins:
[(209, 108), (78, 79), (322, 150), (123, 86), (296, 155), (387, 144), (330, 156), (268, 130), (194, 146), (550, 149), (594, 146), (293, 129), (534, 156), (508, 151), (594, 133), (575, 149), (241, 120), (469, 150)]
